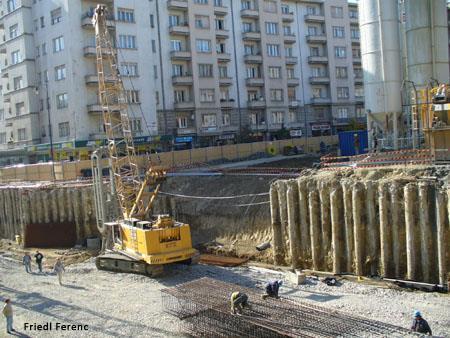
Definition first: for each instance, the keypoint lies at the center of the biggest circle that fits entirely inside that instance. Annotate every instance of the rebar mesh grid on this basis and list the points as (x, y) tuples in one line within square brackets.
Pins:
[(203, 307)]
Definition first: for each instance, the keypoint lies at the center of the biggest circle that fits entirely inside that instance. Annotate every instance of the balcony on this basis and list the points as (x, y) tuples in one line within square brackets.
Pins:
[(320, 100), (90, 51), (222, 33), (359, 99), (97, 108), (359, 79), (321, 79), (177, 4), (289, 38), (291, 60), (226, 81), (355, 41), (182, 29), (315, 18), (227, 103), (93, 79), (254, 35), (287, 17), (318, 59), (319, 38), (256, 103), (182, 80), (254, 82), (354, 21), (180, 55), (253, 58), (249, 13), (220, 10), (357, 60), (223, 57), (186, 131), (292, 82), (184, 105), (86, 21)]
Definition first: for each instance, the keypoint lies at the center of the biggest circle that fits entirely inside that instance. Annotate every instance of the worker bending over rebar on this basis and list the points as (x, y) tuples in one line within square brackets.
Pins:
[(272, 289), (239, 300)]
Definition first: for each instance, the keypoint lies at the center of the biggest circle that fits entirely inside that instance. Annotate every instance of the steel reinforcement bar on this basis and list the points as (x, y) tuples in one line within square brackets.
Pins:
[(203, 307)]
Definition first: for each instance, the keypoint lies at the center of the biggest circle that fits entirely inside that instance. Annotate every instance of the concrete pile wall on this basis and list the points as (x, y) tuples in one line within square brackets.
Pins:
[(386, 223), (47, 215)]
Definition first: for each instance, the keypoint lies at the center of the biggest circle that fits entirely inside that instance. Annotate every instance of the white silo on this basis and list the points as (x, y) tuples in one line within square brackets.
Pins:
[(380, 52), (427, 41)]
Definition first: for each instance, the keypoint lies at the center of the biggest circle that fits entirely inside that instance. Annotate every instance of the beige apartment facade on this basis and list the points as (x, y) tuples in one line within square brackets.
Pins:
[(197, 72)]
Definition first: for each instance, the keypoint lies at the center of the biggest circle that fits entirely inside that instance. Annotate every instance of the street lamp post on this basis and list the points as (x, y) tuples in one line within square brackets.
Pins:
[(50, 134)]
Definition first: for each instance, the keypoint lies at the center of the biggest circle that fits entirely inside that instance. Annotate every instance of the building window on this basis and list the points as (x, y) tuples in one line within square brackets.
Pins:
[(247, 27), (218, 3), (271, 28), (205, 70), (292, 95), (56, 15), (127, 41), (341, 72), (155, 71), (16, 57), (290, 73), (312, 31), (157, 97), (342, 113), (358, 72), (209, 120), (38, 51), (253, 72), (2, 114), (246, 4), (338, 32), (175, 45), (359, 91), (287, 30), (270, 6), (42, 22), (206, 95), (276, 94), (312, 10), (22, 134), (177, 70), (64, 130), (12, 5), (318, 92), (220, 24), (182, 122), (58, 44), (125, 15), (223, 72), (36, 25), (226, 119), (340, 52), (342, 92), (136, 125), (314, 51), (277, 117), (174, 20), (356, 53), (288, 51), (275, 72), (203, 46), (180, 96), (128, 69), (202, 22), (18, 83), (220, 47), (132, 96), (13, 31), (353, 14), (152, 21), (61, 101), (360, 111), (354, 33), (201, 2), (337, 12), (44, 49), (273, 50), (60, 72), (20, 108), (2, 138), (285, 9)]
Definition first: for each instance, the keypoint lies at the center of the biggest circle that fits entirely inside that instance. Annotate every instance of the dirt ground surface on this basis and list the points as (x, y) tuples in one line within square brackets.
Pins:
[(126, 305)]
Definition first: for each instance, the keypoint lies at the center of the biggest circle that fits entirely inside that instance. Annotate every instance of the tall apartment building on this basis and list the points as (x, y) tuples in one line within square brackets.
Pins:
[(196, 71)]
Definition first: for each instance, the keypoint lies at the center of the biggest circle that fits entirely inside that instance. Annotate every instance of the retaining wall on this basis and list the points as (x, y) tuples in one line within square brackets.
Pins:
[(383, 222)]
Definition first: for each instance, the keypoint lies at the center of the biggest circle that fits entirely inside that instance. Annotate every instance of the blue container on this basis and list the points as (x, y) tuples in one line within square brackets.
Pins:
[(353, 142)]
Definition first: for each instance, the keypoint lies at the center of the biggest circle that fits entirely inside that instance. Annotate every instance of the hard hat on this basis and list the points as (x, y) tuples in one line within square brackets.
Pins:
[(417, 314), (280, 282)]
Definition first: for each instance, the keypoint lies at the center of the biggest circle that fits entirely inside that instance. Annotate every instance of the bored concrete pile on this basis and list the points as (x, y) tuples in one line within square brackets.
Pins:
[(385, 222), (47, 215)]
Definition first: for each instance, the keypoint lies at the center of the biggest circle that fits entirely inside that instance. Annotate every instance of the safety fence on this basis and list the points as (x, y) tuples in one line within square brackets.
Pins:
[(66, 171)]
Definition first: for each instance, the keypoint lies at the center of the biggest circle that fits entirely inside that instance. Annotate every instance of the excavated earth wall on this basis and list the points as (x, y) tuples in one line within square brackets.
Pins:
[(384, 222)]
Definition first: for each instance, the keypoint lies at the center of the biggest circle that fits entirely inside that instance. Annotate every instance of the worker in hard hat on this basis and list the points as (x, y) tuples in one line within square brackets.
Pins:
[(239, 300), (420, 325), (272, 289)]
